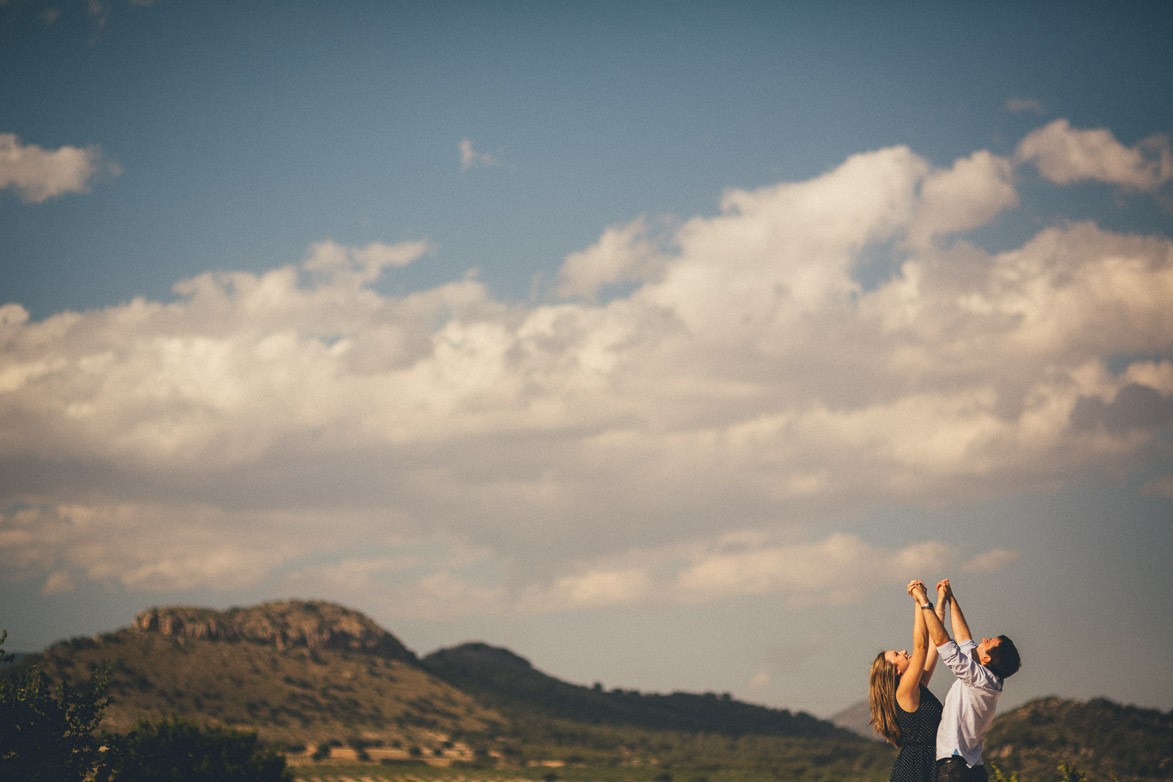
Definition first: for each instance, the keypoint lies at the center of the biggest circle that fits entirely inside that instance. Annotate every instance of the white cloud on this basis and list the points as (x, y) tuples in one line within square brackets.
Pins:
[(593, 588), (362, 264), (1161, 487), (58, 582), (779, 254), (622, 254), (39, 174), (967, 196), (1065, 155), (412, 587), (996, 559), (1024, 105), (150, 547), (471, 158), (834, 569), (745, 381), (840, 568)]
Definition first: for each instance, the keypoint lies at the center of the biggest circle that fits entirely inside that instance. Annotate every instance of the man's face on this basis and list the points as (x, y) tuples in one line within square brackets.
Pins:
[(983, 649)]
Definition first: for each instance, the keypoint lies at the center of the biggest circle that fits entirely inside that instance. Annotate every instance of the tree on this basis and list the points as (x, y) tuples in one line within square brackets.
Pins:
[(174, 749), (47, 732)]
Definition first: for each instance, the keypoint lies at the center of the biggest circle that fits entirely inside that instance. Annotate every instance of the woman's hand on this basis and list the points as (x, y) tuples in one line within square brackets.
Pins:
[(944, 590), (916, 588)]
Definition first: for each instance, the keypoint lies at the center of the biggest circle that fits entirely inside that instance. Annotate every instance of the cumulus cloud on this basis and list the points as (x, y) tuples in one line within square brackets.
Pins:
[(471, 158), (836, 569), (622, 254), (1064, 155), (38, 174), (961, 198), (361, 264), (148, 547), (417, 586), (594, 452), (988, 561)]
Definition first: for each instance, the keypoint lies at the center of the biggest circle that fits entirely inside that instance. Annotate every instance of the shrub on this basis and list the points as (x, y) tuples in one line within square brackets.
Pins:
[(46, 732), (176, 749)]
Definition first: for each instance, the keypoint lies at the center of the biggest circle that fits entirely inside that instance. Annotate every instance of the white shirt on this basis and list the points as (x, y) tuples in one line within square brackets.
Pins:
[(969, 705)]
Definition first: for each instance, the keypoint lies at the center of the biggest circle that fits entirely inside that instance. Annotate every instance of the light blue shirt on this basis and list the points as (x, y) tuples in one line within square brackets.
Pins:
[(969, 705)]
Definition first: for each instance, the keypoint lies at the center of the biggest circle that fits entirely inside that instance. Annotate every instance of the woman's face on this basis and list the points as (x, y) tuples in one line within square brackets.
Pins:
[(899, 660)]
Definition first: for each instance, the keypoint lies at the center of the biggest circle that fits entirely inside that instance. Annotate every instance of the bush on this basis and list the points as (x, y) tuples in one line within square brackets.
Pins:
[(174, 749), (46, 732)]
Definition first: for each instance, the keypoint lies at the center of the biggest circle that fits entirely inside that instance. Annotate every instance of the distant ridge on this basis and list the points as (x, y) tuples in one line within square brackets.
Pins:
[(857, 719), (510, 684)]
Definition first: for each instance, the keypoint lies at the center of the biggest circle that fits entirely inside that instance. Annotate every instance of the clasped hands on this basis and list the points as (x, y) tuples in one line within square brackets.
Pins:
[(916, 589)]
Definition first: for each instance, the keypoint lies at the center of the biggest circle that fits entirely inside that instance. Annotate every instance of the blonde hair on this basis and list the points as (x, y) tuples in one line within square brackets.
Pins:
[(882, 698)]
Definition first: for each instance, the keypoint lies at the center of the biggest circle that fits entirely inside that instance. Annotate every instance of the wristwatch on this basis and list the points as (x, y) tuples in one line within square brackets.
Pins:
[(928, 606)]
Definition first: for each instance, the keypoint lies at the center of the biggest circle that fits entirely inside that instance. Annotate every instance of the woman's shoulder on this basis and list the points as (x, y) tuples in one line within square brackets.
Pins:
[(927, 694)]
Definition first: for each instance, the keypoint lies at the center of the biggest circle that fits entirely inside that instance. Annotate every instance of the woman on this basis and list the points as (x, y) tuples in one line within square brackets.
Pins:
[(903, 710)]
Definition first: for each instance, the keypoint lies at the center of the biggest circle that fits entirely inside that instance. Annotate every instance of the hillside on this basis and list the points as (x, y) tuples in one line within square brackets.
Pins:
[(857, 719), (511, 685), (296, 672), (312, 675), (1103, 739)]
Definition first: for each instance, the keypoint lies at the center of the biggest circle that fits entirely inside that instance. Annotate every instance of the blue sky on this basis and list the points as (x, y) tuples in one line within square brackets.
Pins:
[(661, 343)]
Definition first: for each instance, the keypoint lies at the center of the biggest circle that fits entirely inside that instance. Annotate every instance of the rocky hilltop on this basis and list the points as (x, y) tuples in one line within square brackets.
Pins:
[(287, 624)]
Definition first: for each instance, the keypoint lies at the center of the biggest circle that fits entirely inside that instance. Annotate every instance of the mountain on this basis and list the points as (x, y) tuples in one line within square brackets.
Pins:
[(512, 686), (310, 673), (1099, 737), (857, 719), (297, 672)]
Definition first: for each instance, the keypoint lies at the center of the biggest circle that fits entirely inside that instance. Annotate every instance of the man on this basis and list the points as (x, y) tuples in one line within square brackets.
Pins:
[(981, 669)]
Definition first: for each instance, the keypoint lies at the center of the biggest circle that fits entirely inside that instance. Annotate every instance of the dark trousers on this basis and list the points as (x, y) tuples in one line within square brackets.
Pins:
[(954, 770)]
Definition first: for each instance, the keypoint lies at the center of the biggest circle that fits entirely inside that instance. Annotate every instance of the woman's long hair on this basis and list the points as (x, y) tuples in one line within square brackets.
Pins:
[(883, 699)]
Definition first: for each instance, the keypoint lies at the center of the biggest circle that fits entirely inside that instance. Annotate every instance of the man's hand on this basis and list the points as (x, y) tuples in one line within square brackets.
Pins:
[(944, 591)]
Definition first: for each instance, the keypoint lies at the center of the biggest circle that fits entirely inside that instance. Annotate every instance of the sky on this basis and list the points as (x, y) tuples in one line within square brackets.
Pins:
[(659, 343)]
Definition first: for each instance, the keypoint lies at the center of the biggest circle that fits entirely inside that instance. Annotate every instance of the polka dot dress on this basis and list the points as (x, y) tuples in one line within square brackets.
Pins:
[(917, 761)]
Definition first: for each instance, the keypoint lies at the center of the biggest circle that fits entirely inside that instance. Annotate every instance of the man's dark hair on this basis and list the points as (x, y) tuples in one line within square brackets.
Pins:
[(1004, 659)]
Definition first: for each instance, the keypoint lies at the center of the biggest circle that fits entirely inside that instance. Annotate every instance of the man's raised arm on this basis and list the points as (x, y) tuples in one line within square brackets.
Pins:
[(937, 633), (960, 628)]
